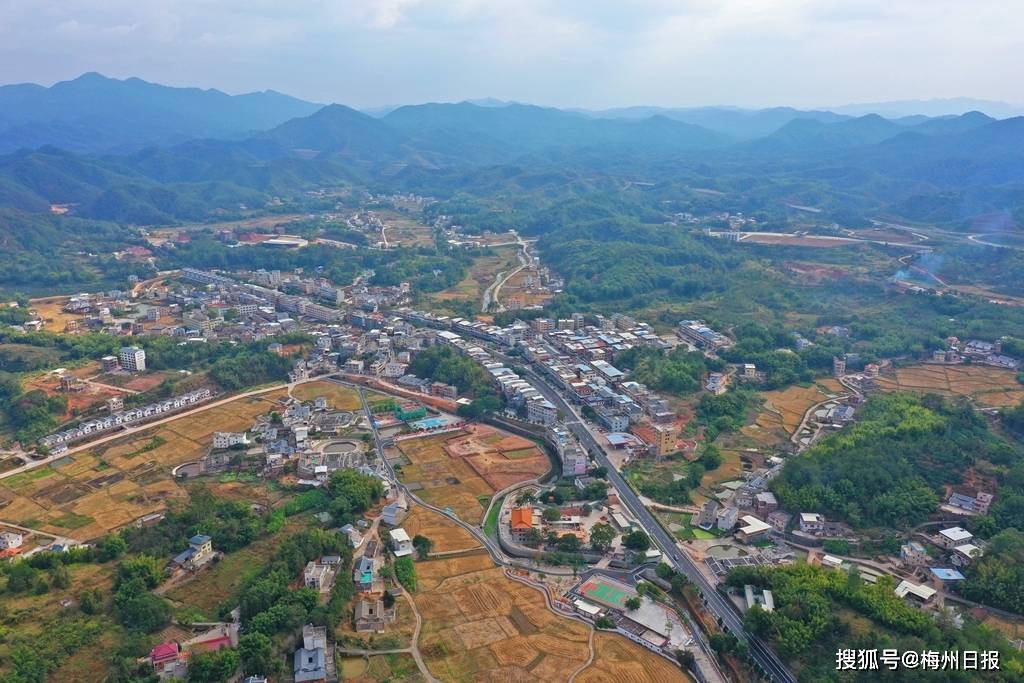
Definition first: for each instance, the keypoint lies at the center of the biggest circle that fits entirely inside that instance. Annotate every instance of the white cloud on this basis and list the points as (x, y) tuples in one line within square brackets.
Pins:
[(563, 52)]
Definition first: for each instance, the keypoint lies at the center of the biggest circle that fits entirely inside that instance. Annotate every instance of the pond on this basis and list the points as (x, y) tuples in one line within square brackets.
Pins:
[(726, 552)]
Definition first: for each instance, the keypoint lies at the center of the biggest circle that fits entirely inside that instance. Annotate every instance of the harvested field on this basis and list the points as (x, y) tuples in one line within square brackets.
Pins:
[(467, 623), (785, 408), (88, 494), (445, 536), (986, 384), (623, 661), (480, 625), (405, 232), (459, 469), (338, 397)]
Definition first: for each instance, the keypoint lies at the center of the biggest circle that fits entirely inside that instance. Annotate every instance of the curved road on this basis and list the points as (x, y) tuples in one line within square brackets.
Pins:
[(492, 292), (762, 654)]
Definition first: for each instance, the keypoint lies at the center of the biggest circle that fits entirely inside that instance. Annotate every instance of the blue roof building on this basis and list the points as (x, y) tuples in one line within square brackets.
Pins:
[(309, 665), (944, 574)]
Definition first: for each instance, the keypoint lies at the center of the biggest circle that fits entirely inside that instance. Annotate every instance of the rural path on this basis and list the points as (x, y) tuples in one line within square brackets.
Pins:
[(92, 382), (132, 430), (795, 436), (491, 293), (413, 649), (59, 540), (691, 509), (590, 660)]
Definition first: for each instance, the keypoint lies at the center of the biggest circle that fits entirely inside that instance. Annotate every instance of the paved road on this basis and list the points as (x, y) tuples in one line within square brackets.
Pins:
[(141, 426), (718, 604)]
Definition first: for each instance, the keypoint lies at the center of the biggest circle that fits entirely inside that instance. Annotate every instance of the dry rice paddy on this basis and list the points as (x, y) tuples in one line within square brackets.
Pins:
[(785, 408), (90, 493), (480, 625), (462, 469), (623, 661), (445, 536), (988, 385), (338, 397)]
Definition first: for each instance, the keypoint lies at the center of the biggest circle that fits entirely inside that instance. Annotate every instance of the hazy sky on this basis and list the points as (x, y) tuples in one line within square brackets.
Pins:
[(593, 53)]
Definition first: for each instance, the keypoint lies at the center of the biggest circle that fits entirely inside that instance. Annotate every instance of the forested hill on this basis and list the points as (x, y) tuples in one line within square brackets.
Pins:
[(890, 469), (184, 154), (94, 114)]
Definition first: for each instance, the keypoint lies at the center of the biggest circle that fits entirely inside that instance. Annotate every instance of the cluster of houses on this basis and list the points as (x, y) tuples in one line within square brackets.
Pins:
[(977, 351), (125, 418), (170, 658)]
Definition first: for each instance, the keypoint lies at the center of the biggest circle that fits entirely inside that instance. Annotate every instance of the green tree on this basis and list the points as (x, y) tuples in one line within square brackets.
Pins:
[(144, 612), (601, 537), (569, 543), (637, 540), (632, 603), (256, 653), (21, 577), (405, 572), (91, 601), (112, 547), (143, 567), (422, 544), (213, 667)]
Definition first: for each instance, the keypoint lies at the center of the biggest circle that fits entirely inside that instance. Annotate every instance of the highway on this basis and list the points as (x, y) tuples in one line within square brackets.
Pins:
[(764, 656)]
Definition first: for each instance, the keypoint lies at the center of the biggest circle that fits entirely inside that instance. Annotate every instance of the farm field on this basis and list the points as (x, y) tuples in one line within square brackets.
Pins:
[(785, 408), (620, 660), (997, 387), (445, 536), (480, 625), (516, 290), (463, 469), (338, 397), (404, 232), (480, 276), (92, 492)]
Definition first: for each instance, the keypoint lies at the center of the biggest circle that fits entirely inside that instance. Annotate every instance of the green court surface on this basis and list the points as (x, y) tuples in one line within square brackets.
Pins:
[(607, 593)]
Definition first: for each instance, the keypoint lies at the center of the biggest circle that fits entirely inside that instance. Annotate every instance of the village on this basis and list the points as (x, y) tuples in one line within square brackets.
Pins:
[(539, 488)]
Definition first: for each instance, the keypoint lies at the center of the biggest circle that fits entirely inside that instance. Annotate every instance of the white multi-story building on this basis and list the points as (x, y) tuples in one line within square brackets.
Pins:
[(132, 358), (229, 439), (541, 411)]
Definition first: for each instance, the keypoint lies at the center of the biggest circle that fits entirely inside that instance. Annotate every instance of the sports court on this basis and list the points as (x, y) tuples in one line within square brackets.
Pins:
[(607, 591)]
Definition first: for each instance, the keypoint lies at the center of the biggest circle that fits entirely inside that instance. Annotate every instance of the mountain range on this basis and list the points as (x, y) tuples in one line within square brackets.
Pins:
[(144, 153), (93, 113)]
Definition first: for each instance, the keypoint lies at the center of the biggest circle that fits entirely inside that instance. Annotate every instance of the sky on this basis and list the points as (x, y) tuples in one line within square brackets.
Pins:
[(581, 53)]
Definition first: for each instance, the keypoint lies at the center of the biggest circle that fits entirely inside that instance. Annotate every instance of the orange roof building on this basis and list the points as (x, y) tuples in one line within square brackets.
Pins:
[(522, 519)]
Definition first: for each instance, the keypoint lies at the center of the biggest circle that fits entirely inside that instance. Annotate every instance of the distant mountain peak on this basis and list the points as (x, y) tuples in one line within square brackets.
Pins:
[(94, 113)]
